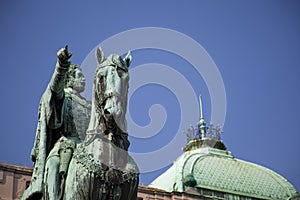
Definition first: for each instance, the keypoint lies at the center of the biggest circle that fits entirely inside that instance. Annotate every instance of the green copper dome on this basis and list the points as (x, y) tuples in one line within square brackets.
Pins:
[(211, 169)]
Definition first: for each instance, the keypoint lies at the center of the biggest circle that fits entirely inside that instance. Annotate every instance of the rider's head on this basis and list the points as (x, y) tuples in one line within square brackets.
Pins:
[(75, 79)]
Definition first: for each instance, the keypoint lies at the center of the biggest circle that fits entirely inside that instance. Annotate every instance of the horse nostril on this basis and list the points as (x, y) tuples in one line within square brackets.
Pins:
[(106, 112)]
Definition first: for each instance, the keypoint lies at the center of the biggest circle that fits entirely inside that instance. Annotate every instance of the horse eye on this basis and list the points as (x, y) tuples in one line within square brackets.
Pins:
[(120, 71)]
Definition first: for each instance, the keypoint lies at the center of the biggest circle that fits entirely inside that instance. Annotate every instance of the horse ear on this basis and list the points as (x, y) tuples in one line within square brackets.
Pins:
[(128, 59), (99, 55)]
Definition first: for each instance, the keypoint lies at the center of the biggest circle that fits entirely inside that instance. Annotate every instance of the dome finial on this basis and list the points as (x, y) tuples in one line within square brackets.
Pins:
[(202, 122), (201, 109)]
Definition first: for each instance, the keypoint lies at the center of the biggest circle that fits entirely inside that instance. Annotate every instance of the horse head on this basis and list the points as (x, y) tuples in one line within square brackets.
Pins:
[(111, 81)]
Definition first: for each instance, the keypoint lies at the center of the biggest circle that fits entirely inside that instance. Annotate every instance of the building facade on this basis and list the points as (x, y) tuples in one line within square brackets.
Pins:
[(13, 181)]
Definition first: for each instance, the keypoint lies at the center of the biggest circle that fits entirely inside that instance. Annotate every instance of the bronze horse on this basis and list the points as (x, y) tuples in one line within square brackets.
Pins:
[(101, 167)]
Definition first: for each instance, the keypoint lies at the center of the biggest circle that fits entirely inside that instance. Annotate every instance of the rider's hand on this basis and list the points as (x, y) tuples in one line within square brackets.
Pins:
[(63, 55)]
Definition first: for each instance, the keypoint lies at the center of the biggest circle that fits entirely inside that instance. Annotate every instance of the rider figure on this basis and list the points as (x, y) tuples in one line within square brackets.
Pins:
[(63, 120)]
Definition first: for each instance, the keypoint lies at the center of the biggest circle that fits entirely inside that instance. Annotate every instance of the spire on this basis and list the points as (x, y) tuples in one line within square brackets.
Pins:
[(203, 136), (200, 102), (202, 122)]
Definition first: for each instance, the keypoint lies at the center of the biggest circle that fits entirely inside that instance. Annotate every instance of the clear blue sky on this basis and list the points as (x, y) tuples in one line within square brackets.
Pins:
[(255, 45)]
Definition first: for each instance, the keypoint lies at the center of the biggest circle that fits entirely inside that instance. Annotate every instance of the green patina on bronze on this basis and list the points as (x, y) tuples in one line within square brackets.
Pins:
[(80, 149)]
